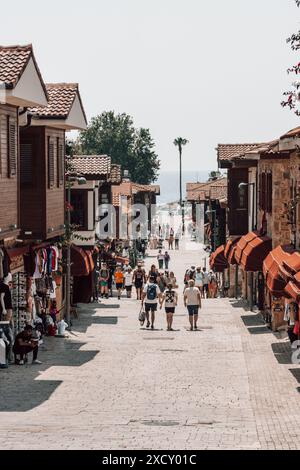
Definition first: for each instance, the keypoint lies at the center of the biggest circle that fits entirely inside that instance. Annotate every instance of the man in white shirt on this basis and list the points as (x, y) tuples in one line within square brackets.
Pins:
[(151, 295), (192, 300)]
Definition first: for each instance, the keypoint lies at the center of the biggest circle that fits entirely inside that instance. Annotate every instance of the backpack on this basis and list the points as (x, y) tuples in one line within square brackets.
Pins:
[(152, 292)]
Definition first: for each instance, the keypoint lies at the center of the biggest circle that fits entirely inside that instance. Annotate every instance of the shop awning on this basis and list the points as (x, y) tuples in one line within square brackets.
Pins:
[(218, 262), (293, 291), (272, 269), (80, 262), (290, 266), (229, 251), (251, 251), (91, 261)]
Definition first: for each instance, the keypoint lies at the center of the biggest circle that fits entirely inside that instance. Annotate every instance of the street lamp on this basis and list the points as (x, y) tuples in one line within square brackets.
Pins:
[(79, 180), (244, 185), (211, 212)]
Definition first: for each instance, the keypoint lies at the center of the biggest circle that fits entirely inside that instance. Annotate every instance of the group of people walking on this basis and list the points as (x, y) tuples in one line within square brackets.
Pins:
[(206, 282)]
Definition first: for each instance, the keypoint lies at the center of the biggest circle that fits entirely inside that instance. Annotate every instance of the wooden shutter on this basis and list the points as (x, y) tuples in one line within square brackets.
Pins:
[(269, 192), (50, 163), (26, 161), (60, 162), (11, 146)]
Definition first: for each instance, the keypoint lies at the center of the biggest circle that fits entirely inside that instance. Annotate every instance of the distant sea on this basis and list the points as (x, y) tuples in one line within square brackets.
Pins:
[(169, 183)]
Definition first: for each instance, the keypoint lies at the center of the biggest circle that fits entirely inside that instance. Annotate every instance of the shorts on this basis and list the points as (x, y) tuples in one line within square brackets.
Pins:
[(205, 287), (104, 283), (193, 310), (119, 285), (128, 288), (138, 285), (170, 309), (152, 307)]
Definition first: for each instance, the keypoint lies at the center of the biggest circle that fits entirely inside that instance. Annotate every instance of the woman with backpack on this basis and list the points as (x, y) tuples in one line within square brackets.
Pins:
[(170, 299)]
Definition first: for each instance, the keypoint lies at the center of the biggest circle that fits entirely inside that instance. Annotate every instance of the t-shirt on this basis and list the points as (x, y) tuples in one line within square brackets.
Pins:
[(119, 277), (145, 290), (104, 273), (128, 279), (170, 298), (161, 257), (4, 289), (199, 277), (153, 274), (205, 278), (192, 294)]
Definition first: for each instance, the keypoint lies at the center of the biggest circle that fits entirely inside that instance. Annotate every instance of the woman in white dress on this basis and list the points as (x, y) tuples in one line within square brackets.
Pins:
[(199, 281)]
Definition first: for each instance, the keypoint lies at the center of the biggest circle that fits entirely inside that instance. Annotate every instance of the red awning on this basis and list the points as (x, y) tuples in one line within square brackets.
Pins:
[(293, 291), (218, 262), (290, 266), (251, 251), (90, 258), (80, 262), (229, 251), (272, 269), (15, 252)]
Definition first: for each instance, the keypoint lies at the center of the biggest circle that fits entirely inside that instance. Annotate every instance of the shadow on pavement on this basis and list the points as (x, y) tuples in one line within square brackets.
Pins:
[(259, 330), (239, 304), (89, 315), (282, 352), (20, 387), (296, 374), (253, 320)]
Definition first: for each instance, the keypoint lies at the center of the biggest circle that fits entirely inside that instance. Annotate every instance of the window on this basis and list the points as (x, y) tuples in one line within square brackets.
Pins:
[(50, 163), (60, 162), (11, 147), (79, 209), (26, 159), (263, 191)]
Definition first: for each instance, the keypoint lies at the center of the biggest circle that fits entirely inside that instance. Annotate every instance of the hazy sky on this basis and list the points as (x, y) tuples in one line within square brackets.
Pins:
[(208, 70)]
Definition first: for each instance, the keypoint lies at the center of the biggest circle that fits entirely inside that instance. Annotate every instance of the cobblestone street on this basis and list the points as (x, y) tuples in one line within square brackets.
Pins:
[(112, 385)]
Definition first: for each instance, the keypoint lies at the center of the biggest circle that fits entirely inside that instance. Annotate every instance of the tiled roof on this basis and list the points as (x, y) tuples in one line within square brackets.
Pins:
[(292, 133), (116, 173), (61, 97), (227, 152), (123, 189), (13, 61), (143, 188), (202, 191), (91, 165), (218, 192)]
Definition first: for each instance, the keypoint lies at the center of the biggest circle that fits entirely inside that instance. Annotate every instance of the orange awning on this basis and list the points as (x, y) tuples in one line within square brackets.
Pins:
[(80, 262), (90, 258), (293, 291), (230, 249), (218, 262), (290, 266), (272, 269), (251, 251)]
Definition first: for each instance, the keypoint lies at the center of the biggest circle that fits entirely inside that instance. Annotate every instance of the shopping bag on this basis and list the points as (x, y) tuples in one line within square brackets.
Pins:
[(142, 316)]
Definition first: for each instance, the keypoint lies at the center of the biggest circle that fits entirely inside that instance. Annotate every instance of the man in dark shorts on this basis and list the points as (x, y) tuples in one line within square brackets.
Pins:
[(170, 298), (192, 300), (150, 297), (139, 278), (24, 344)]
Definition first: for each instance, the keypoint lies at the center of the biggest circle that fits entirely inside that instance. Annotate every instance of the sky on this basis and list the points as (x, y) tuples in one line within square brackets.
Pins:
[(211, 71)]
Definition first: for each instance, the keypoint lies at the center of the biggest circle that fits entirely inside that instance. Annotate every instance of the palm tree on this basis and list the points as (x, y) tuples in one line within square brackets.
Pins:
[(180, 142)]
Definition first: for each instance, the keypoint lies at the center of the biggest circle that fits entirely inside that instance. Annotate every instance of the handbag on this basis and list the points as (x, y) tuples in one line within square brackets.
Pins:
[(142, 316)]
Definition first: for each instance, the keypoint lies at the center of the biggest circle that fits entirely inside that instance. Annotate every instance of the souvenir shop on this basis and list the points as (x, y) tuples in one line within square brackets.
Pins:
[(34, 277)]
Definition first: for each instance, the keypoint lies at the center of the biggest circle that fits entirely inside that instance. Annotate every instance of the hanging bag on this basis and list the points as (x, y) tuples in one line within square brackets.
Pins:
[(142, 316)]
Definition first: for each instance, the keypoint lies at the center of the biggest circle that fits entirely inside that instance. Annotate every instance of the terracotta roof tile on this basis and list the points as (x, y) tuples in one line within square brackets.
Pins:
[(136, 188), (61, 97), (215, 189), (13, 61), (292, 133), (89, 165), (227, 152), (116, 173)]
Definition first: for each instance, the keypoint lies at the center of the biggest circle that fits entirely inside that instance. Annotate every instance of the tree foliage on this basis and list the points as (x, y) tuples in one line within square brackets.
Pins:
[(292, 97), (115, 135)]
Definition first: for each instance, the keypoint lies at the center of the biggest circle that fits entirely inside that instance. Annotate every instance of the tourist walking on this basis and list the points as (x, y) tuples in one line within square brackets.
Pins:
[(150, 297), (205, 283), (160, 259), (139, 278), (177, 241), (128, 282), (171, 240), (189, 275), (103, 278), (199, 280), (162, 282), (153, 273), (192, 301), (171, 279), (167, 260), (170, 299), (119, 280)]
